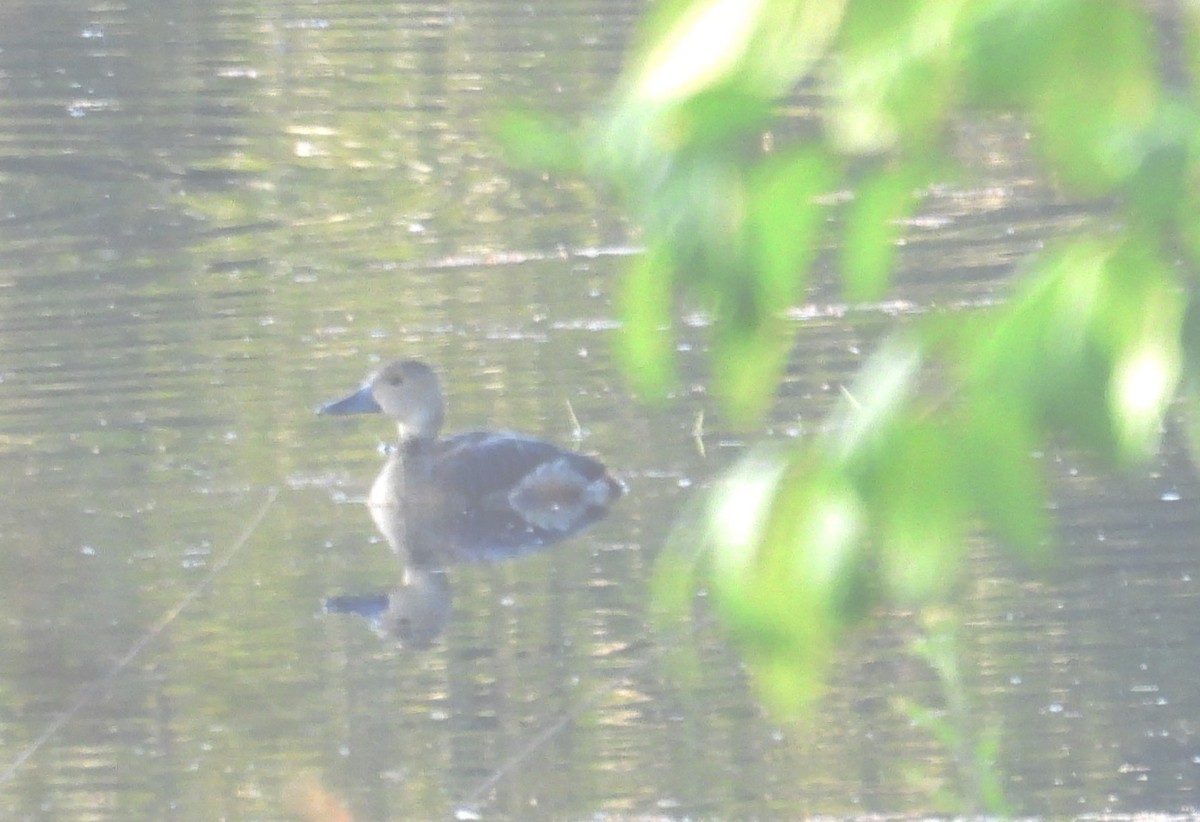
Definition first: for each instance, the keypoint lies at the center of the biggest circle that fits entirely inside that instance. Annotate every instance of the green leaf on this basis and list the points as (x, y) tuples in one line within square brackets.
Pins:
[(1157, 193), (1041, 351), (645, 345), (1187, 220), (1007, 488), (1190, 338), (1190, 346), (1086, 70), (785, 219), (1010, 45), (873, 225), (876, 400), (747, 362), (1092, 347), (1191, 46), (895, 77), (680, 569), (534, 141), (1143, 325), (717, 118), (918, 499), (641, 142), (788, 567), (991, 783), (753, 274), (739, 507), (1098, 91), (933, 721), (763, 46)]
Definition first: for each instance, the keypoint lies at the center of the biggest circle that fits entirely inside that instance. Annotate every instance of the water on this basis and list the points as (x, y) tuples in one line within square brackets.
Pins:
[(213, 218)]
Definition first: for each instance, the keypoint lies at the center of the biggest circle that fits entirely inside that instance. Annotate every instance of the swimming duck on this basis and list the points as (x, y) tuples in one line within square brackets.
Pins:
[(487, 494)]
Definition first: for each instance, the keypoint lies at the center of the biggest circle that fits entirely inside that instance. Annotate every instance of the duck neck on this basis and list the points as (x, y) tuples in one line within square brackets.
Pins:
[(414, 448)]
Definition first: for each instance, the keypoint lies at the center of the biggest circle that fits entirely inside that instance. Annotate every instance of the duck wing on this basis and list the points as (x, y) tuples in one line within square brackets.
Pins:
[(505, 494), (478, 465)]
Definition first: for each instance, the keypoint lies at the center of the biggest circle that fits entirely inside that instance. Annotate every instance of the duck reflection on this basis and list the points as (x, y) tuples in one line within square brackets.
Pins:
[(475, 497), (414, 614)]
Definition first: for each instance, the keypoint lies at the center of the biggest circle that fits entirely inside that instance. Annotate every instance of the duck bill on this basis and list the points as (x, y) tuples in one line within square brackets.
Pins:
[(360, 402)]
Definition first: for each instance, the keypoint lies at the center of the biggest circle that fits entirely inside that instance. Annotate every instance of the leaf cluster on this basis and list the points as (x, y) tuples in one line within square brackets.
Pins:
[(1100, 335)]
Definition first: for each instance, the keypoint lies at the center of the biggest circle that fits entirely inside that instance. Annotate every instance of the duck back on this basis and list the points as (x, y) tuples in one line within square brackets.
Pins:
[(546, 488)]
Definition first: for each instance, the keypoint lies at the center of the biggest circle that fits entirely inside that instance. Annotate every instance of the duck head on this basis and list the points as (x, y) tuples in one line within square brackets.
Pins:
[(405, 390)]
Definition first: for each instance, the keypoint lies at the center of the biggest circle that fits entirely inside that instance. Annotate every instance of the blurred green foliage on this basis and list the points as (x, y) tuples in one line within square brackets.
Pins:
[(1098, 338), (955, 723)]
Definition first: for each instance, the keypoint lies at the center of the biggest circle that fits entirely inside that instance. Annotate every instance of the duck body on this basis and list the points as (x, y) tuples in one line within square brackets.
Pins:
[(479, 495)]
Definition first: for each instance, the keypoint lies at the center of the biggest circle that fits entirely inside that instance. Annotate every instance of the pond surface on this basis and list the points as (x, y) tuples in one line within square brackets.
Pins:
[(214, 217)]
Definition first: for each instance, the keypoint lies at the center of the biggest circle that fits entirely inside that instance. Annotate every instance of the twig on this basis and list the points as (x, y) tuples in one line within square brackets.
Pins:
[(850, 398), (90, 692), (468, 805), (698, 433), (576, 428)]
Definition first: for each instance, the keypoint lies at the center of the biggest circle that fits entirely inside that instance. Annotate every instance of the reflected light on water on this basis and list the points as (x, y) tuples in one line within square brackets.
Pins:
[(212, 214)]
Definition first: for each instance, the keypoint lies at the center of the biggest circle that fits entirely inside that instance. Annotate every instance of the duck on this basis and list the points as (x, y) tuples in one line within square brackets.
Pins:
[(478, 495)]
